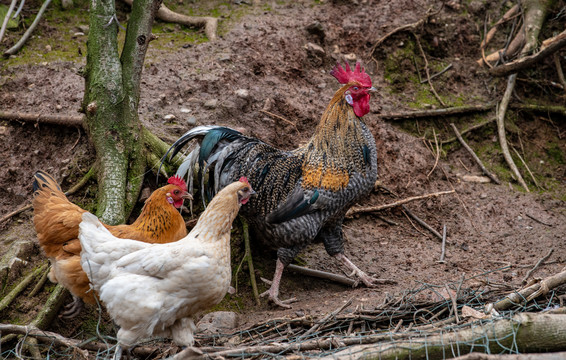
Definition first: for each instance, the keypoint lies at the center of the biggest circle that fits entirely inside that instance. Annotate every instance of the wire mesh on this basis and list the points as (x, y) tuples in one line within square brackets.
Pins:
[(401, 327)]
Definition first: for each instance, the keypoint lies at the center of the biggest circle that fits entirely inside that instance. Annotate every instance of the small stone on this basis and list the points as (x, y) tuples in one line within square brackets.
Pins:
[(321, 85), (519, 218), (483, 196), (185, 110), (211, 104), (79, 33), (300, 313), (224, 57), (169, 117), (47, 48), (83, 28), (3, 130), (58, 107), (350, 57), (314, 49), (317, 29), (191, 120), (218, 322), (163, 99), (242, 93)]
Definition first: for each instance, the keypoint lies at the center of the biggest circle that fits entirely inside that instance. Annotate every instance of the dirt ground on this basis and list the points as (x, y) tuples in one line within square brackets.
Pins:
[(264, 51)]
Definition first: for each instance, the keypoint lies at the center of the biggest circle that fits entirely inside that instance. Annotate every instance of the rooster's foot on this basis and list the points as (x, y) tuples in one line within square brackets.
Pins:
[(275, 299), (72, 309), (368, 280)]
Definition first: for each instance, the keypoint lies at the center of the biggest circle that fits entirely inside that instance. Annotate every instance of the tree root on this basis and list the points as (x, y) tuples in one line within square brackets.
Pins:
[(210, 24)]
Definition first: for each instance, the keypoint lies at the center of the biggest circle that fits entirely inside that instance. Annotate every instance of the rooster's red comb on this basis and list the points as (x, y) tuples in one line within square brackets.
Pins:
[(176, 180), (344, 76), (244, 180)]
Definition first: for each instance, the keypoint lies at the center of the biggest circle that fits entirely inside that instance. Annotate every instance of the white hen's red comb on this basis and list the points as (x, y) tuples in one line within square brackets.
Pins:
[(344, 76)]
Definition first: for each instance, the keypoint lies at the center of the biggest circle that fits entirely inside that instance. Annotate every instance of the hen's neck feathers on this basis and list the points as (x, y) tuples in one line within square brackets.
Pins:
[(217, 219)]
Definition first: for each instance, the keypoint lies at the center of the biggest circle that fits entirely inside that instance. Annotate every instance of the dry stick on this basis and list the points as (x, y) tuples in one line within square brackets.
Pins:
[(322, 275), (358, 210), (280, 118), (427, 71), (531, 292), (542, 260), (501, 130), (7, 300), (327, 317), (413, 225), (443, 249), (210, 24), (40, 283), (421, 222), (474, 156), (457, 110), (14, 49), (454, 304), (538, 220), (411, 27), (526, 167), (15, 212), (549, 47), (512, 48), (436, 155), (559, 70)]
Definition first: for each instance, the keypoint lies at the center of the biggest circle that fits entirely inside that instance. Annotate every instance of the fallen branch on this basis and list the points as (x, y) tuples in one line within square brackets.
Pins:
[(524, 295), (510, 14), (7, 300), (474, 156), (327, 317), (421, 222), (65, 120), (438, 73), (501, 130), (549, 47), (210, 24), (368, 209)]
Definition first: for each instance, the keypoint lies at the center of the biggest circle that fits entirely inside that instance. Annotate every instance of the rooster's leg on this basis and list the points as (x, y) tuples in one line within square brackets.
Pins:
[(273, 291), (72, 309), (369, 281)]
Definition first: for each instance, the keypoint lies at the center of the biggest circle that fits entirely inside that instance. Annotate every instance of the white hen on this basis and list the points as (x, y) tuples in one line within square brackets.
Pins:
[(157, 289)]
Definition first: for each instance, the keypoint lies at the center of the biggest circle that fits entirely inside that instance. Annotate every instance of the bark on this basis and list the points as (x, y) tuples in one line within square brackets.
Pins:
[(111, 103)]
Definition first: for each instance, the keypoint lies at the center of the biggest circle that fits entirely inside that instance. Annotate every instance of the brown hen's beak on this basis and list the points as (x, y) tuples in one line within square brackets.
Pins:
[(187, 196)]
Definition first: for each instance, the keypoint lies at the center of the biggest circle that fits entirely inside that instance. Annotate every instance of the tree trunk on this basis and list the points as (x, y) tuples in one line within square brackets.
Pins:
[(111, 104)]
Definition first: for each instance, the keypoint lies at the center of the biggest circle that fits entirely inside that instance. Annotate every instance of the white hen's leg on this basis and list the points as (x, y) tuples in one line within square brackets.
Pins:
[(273, 291)]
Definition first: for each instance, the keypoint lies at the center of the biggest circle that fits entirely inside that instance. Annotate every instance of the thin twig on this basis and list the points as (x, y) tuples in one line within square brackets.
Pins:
[(438, 73), (539, 263), (15, 212), (526, 167), (501, 130), (559, 70), (471, 128), (248, 256), (538, 220), (421, 222), (280, 118), (443, 251), (454, 304), (427, 71), (437, 153), (474, 156), (413, 225), (327, 317), (358, 210)]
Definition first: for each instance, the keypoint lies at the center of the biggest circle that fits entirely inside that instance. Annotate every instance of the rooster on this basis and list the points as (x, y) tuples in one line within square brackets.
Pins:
[(303, 194), (57, 220), (157, 289)]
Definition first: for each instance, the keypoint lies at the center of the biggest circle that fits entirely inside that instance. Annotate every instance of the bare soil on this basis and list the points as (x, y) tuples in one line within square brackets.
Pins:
[(489, 227)]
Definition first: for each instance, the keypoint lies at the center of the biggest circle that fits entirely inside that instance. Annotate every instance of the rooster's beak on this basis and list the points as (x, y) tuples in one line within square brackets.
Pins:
[(372, 89)]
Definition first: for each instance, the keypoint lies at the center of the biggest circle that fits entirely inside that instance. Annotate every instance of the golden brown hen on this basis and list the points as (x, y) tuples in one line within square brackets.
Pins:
[(57, 220)]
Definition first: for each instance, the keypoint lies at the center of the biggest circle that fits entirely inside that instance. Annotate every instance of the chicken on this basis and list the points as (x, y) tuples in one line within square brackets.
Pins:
[(57, 220), (303, 194), (157, 289)]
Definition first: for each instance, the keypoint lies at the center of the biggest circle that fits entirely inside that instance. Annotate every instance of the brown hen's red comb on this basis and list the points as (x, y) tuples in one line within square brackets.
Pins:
[(244, 180), (344, 76), (176, 180)]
